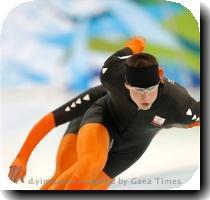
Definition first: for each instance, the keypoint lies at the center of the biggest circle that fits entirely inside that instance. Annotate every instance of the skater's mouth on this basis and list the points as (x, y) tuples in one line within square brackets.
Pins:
[(145, 104)]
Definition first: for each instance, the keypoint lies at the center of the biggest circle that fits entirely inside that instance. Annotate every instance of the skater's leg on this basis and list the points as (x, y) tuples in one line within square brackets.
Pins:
[(102, 182), (63, 179), (92, 152), (66, 157)]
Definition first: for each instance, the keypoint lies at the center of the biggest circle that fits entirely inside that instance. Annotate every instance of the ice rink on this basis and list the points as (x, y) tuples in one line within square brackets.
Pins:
[(170, 160)]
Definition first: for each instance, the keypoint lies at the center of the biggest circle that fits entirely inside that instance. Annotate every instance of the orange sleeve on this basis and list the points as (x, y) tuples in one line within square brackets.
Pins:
[(36, 134), (193, 124), (136, 44)]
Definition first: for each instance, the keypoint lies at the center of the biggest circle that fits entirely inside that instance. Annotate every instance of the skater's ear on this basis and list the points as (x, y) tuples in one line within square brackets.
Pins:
[(126, 85), (161, 74)]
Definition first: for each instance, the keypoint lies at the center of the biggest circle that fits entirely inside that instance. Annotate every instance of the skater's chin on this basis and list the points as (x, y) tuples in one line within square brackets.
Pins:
[(144, 106)]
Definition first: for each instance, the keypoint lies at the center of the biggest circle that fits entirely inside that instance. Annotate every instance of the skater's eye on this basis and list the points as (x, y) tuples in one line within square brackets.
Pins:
[(142, 90)]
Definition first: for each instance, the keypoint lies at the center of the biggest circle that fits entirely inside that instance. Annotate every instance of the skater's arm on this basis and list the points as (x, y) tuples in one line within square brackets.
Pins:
[(65, 113), (184, 110), (111, 71), (188, 111), (78, 106), (190, 116), (132, 46), (39, 131)]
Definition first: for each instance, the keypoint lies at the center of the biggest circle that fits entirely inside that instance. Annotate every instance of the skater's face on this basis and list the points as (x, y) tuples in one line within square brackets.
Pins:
[(143, 97)]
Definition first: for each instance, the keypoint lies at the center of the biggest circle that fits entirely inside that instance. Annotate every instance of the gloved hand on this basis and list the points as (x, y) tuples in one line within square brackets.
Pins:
[(136, 44), (17, 170)]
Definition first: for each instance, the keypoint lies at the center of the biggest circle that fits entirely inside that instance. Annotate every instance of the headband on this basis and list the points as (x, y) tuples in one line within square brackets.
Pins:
[(142, 77)]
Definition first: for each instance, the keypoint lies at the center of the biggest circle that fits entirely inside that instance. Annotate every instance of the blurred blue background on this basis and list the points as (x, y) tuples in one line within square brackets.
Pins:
[(63, 44)]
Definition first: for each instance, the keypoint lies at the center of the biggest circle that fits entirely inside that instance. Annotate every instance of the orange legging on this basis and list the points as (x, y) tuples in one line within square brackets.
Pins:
[(81, 159)]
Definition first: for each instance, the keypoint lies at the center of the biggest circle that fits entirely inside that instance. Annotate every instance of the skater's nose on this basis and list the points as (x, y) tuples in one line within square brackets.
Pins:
[(145, 96)]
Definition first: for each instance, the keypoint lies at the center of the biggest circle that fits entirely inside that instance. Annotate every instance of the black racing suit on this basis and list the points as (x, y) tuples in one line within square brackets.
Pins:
[(131, 130)]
